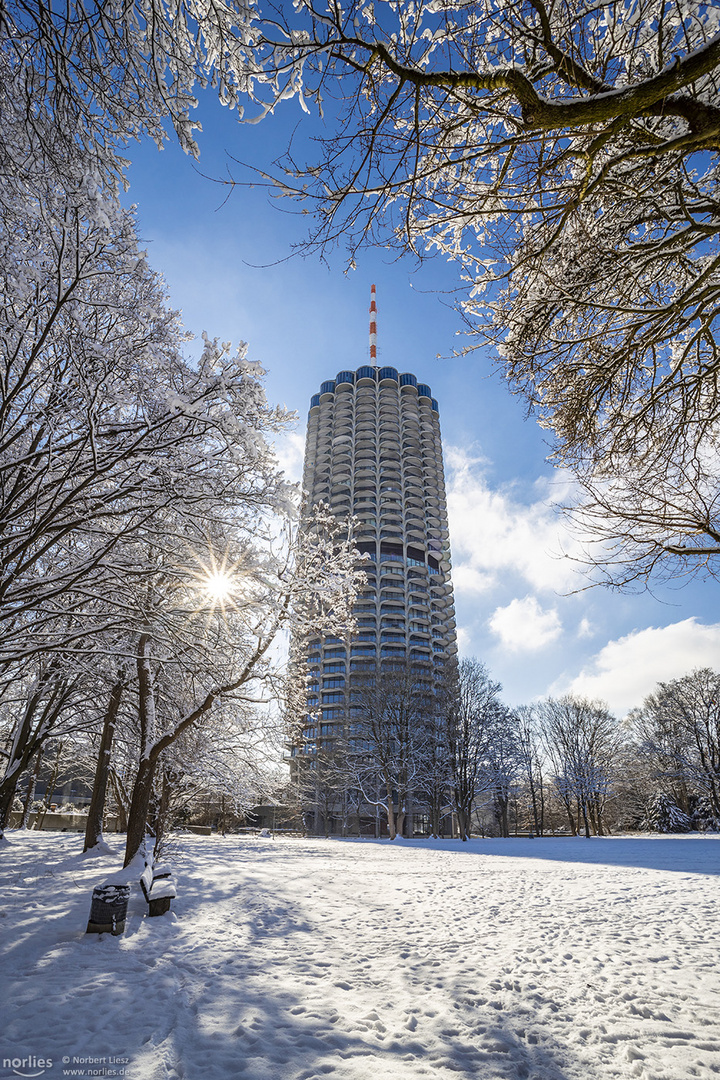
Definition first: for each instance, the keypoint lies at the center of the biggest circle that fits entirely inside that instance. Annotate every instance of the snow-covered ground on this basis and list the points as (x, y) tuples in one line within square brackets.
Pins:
[(291, 959)]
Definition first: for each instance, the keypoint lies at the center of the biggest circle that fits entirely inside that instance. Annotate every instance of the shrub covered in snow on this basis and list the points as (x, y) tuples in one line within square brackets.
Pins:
[(665, 816), (703, 817)]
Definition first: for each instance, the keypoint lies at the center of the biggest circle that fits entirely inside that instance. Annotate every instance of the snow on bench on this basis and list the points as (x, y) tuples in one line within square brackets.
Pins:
[(158, 889)]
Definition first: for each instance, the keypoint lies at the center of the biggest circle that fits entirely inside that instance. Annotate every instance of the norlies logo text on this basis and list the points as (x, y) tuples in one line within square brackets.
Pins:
[(27, 1066)]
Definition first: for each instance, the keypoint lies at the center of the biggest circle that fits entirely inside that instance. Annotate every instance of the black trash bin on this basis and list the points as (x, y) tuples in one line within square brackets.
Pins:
[(108, 909)]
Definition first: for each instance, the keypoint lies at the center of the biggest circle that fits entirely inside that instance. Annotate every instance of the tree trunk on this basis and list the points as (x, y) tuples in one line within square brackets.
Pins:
[(31, 733), (121, 800), (533, 798), (143, 786), (30, 793), (96, 811), (594, 815), (162, 813), (7, 799), (571, 819), (435, 817), (19, 759), (586, 823), (391, 814), (50, 791), (139, 806), (501, 804)]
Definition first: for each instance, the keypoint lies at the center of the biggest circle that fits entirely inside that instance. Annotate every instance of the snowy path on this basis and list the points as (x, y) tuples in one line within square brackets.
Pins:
[(294, 960)]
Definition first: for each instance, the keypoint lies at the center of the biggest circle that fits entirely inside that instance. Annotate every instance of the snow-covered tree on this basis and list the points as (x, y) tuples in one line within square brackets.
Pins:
[(393, 719), (103, 756), (138, 483), (531, 767), (218, 764), (303, 581), (501, 769), (104, 74), (665, 816), (582, 740), (50, 698), (324, 785), (132, 482), (679, 730), (574, 148), (567, 160), (473, 707)]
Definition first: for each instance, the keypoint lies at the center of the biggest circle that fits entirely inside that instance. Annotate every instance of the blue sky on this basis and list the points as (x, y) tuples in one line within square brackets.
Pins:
[(230, 269)]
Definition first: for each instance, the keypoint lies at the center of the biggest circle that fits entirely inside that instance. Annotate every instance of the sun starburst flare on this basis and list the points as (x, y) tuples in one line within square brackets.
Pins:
[(218, 586)]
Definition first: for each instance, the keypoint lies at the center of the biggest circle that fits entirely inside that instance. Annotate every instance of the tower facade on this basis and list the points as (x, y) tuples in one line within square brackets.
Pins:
[(374, 452)]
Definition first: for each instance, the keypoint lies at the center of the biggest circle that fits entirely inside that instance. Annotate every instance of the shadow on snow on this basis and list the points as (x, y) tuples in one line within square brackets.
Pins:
[(210, 990), (680, 853)]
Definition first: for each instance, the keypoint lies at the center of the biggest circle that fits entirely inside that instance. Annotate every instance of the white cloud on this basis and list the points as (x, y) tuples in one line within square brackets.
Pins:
[(626, 670), (492, 533), (469, 579), (523, 625), (290, 451)]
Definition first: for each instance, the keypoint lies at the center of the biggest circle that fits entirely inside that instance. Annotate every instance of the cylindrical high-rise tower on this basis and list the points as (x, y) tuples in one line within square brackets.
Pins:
[(374, 451)]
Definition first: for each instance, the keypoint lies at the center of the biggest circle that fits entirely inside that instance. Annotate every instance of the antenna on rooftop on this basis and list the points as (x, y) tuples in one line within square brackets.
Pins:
[(373, 327)]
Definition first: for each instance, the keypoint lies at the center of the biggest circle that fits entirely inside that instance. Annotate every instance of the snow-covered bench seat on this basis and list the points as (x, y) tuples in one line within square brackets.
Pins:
[(158, 889)]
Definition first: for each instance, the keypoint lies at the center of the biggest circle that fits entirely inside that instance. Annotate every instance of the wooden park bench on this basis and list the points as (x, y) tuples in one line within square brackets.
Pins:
[(158, 889)]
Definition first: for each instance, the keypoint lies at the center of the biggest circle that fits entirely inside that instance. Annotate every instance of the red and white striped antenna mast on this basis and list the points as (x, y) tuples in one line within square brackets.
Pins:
[(373, 327)]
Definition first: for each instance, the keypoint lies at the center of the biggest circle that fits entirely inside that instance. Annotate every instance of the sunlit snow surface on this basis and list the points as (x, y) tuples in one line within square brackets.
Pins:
[(294, 959)]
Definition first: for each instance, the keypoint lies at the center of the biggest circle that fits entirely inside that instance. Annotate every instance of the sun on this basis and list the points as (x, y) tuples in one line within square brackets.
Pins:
[(218, 586)]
